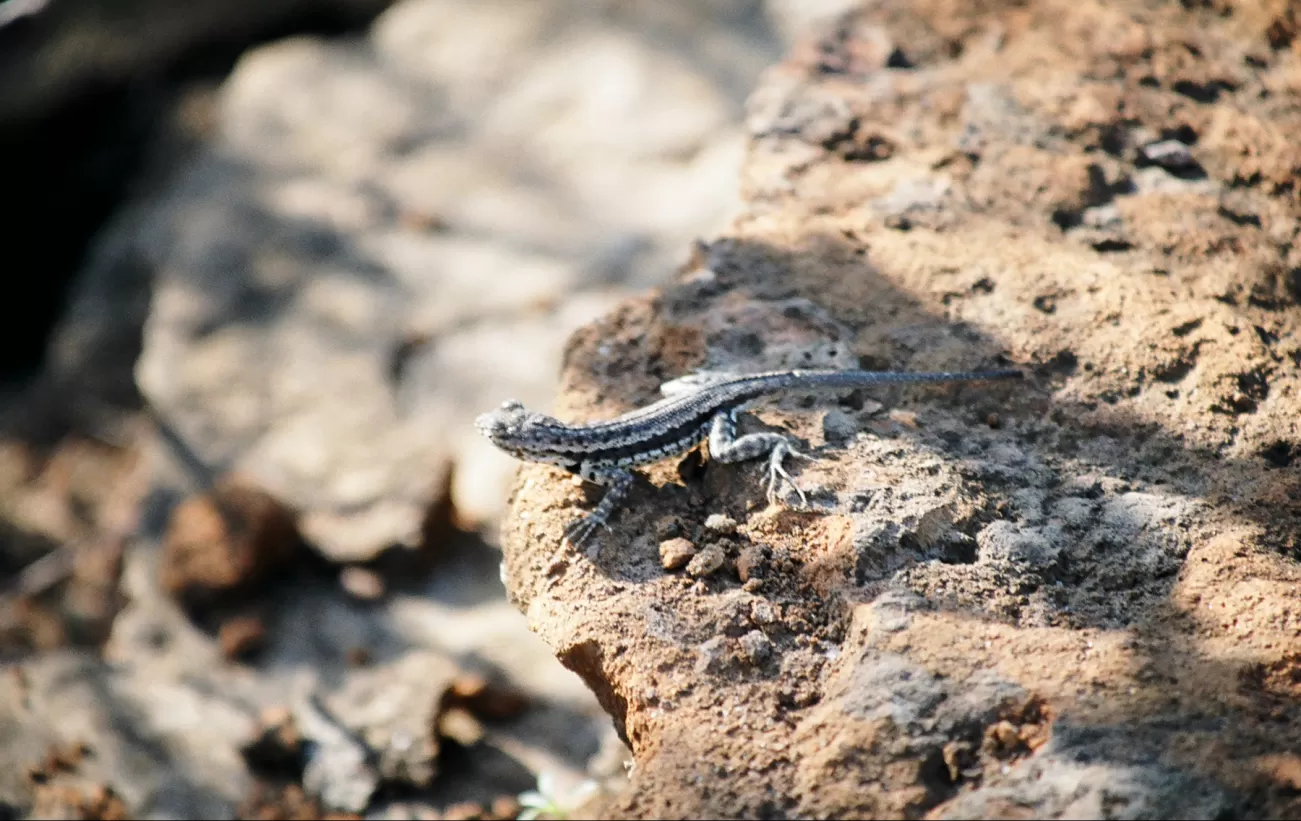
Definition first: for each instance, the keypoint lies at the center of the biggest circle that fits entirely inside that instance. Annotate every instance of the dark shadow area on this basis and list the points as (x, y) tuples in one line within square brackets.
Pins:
[(75, 158)]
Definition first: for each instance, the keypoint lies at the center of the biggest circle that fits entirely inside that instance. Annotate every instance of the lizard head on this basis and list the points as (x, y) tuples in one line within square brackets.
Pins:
[(506, 425), (526, 435)]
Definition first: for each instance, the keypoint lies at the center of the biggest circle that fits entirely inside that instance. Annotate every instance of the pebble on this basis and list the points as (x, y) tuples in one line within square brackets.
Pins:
[(838, 426), (721, 523), (762, 612), (675, 553), (749, 565), (756, 646), (706, 561)]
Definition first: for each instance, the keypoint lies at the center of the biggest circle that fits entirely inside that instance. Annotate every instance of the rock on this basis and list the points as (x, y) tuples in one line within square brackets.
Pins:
[(750, 563), (710, 655), (675, 553), (756, 646), (721, 524), (839, 426), (979, 619), (704, 563), (1063, 781), (225, 545)]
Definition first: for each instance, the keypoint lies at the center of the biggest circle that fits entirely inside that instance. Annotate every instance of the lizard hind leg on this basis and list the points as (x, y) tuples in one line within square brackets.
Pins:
[(726, 447)]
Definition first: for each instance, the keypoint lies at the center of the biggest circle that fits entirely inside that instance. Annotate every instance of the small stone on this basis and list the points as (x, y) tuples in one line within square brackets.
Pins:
[(362, 584), (721, 523), (1004, 735), (762, 612), (675, 553), (838, 426), (710, 654), (749, 565), (706, 561), (756, 646), (752, 586)]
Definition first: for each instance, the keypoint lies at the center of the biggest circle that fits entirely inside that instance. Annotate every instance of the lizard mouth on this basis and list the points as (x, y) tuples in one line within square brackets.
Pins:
[(488, 426)]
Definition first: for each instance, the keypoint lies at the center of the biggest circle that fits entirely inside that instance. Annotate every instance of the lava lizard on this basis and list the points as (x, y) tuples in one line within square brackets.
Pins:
[(697, 407)]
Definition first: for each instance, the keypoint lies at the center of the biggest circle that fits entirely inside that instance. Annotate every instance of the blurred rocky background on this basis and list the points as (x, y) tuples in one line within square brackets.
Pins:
[(266, 261)]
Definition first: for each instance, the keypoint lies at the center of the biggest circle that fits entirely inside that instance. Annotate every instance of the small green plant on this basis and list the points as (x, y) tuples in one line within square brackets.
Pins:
[(548, 801)]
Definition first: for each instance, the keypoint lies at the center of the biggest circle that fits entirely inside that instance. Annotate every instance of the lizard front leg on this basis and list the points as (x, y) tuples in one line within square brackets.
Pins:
[(726, 447), (618, 481)]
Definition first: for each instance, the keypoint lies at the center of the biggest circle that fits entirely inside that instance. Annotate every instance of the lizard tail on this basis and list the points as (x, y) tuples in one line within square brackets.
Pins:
[(858, 379)]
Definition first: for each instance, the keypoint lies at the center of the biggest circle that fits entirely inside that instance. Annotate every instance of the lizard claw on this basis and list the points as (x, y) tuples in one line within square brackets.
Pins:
[(777, 473), (581, 530)]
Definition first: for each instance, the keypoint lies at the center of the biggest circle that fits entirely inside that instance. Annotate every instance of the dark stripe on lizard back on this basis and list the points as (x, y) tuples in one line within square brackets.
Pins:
[(670, 442)]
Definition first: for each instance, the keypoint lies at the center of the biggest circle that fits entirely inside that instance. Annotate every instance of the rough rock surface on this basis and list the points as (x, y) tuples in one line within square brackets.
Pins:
[(1072, 597)]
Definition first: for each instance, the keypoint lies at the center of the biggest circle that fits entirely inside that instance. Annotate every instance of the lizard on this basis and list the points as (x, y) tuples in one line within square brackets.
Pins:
[(695, 408)]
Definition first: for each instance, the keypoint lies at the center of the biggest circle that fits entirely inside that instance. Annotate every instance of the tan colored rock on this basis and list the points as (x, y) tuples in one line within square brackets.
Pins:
[(977, 616), (706, 562), (675, 553)]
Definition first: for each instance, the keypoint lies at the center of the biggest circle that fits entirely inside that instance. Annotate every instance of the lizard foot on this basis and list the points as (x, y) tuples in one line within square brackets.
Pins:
[(580, 531), (778, 476)]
